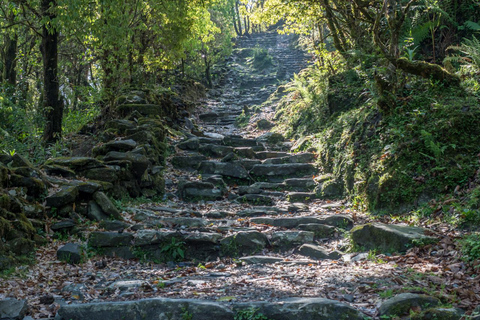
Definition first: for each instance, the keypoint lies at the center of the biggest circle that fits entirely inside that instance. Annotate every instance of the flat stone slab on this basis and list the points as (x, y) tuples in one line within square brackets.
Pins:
[(289, 170), (286, 222), (301, 196), (110, 239), (389, 238), (164, 308), (284, 240), (260, 260), (318, 253)]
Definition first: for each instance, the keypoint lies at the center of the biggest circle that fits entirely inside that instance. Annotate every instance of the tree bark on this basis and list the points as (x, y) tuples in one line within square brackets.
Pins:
[(10, 60), (53, 106)]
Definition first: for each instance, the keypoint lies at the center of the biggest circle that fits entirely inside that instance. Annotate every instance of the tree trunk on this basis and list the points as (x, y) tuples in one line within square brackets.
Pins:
[(10, 60), (52, 104), (239, 19)]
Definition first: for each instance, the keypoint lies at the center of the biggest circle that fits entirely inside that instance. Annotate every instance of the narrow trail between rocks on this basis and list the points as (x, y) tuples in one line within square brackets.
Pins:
[(242, 226)]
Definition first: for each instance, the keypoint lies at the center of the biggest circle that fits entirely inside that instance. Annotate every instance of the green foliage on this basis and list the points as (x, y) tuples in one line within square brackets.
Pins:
[(261, 59), (186, 315), (250, 314), (470, 55), (470, 246), (173, 250)]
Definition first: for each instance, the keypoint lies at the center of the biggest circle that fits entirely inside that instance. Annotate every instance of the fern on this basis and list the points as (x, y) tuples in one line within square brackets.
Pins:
[(470, 50), (471, 25)]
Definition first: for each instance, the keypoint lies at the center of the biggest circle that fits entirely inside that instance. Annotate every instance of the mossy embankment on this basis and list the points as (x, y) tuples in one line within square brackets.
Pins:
[(424, 148)]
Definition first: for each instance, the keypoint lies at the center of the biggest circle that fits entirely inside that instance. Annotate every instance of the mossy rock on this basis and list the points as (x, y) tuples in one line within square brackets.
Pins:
[(401, 304), (331, 189), (439, 314), (75, 163), (143, 109), (388, 238)]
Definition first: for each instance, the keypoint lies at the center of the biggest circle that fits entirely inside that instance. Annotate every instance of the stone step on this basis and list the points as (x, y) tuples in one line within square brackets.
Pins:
[(341, 221), (292, 308), (280, 172), (297, 158), (270, 154), (301, 196)]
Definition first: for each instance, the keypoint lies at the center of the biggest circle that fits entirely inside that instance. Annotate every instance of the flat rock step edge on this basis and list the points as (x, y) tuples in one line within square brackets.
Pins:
[(167, 308)]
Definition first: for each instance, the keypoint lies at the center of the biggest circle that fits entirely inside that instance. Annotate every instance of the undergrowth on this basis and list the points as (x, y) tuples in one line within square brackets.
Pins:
[(22, 123), (425, 148)]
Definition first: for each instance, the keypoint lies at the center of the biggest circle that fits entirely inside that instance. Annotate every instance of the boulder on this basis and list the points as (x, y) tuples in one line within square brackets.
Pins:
[(63, 197), (388, 238), (441, 314), (285, 240), (94, 212), (401, 304), (107, 205), (244, 242), (12, 309), (71, 253), (331, 189)]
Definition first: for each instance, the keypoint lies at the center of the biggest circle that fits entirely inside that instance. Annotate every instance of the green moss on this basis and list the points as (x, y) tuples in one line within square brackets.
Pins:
[(425, 147)]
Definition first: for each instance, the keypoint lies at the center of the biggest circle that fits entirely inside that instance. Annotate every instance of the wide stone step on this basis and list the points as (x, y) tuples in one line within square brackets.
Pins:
[(165, 308), (280, 172), (301, 184), (226, 169), (270, 154), (297, 158), (341, 221), (239, 142)]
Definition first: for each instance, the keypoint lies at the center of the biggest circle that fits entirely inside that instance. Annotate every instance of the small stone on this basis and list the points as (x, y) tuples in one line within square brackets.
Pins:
[(47, 299)]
